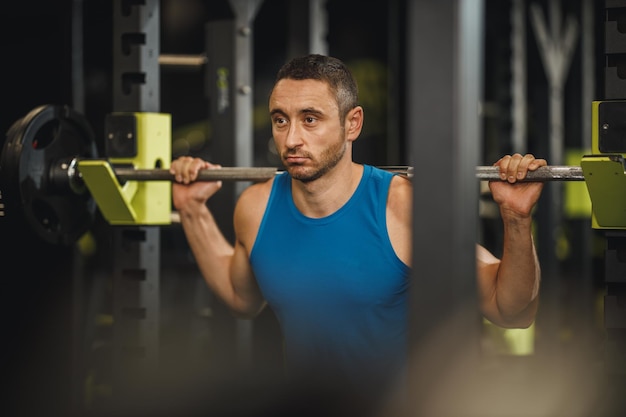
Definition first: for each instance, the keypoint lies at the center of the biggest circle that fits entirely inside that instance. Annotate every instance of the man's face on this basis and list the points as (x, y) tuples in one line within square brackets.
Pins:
[(308, 134)]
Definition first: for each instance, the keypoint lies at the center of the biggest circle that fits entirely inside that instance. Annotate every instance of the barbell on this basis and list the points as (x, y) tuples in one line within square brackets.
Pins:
[(486, 173), (40, 182)]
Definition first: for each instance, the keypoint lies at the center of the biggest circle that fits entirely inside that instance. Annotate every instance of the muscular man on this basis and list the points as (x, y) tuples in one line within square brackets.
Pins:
[(327, 244)]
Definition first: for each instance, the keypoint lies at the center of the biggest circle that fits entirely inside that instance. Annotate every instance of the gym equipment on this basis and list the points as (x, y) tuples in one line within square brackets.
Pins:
[(140, 140), (604, 169), (37, 153), (52, 178), (541, 174)]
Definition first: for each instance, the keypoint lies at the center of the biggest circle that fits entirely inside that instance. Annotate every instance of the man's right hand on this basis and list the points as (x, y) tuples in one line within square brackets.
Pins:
[(185, 189)]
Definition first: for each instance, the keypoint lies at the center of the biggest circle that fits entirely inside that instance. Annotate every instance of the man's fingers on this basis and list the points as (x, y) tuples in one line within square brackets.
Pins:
[(515, 167), (512, 168), (536, 163), (185, 169)]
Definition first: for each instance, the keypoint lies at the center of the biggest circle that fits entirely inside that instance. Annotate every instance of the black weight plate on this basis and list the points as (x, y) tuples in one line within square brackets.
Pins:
[(34, 144)]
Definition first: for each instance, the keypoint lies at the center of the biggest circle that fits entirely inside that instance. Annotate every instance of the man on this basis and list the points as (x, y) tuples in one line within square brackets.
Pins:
[(327, 245)]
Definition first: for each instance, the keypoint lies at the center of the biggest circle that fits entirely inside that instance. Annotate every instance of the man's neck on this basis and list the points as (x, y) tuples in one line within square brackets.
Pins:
[(327, 194)]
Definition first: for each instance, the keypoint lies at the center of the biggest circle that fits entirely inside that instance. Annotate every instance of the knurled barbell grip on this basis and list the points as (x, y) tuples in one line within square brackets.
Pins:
[(488, 173), (544, 173), (221, 174)]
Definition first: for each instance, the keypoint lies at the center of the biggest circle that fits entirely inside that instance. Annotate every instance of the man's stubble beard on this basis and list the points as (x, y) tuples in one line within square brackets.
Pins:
[(328, 160)]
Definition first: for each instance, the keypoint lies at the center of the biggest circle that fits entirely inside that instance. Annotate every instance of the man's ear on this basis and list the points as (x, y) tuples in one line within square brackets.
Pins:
[(354, 123)]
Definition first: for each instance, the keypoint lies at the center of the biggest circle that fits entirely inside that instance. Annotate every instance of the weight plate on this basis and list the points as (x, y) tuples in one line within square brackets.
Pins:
[(35, 145)]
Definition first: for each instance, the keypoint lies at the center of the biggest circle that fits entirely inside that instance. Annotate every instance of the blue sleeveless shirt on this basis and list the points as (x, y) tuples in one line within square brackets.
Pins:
[(337, 287)]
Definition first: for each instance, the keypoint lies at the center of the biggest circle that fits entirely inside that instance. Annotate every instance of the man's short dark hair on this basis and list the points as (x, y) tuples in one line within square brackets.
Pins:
[(329, 70)]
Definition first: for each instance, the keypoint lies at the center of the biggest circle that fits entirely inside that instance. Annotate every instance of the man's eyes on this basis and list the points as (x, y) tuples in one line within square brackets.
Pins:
[(279, 120), (283, 120)]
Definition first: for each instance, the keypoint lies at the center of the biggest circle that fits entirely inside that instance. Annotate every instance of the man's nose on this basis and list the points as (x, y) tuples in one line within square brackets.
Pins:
[(293, 137)]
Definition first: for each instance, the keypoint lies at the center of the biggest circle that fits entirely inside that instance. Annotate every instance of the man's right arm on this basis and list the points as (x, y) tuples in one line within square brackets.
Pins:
[(225, 268)]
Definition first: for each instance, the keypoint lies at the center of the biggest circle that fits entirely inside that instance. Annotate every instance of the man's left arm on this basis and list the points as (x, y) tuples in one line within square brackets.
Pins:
[(509, 286)]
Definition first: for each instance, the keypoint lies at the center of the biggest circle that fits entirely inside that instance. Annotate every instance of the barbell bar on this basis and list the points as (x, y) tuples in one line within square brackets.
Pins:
[(68, 172), (487, 173), (544, 173)]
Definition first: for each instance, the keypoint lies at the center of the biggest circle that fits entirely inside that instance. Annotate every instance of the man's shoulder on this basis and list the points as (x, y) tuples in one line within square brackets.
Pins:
[(400, 193), (249, 211), (256, 194)]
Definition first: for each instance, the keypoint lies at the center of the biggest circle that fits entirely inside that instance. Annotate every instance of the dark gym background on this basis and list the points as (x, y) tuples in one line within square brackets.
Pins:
[(54, 299)]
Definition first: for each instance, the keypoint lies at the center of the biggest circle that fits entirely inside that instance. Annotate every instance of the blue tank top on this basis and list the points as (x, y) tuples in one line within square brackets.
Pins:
[(335, 283)]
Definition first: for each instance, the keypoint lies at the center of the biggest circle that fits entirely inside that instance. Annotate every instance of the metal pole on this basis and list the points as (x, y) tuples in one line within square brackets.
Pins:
[(488, 173), (444, 58)]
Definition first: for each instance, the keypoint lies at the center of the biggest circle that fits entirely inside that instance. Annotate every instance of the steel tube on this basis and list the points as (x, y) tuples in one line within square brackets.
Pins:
[(545, 173), (487, 173), (182, 60), (221, 174)]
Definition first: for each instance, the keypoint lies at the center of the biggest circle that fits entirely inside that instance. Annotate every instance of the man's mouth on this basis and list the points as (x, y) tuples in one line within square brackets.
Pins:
[(295, 160)]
